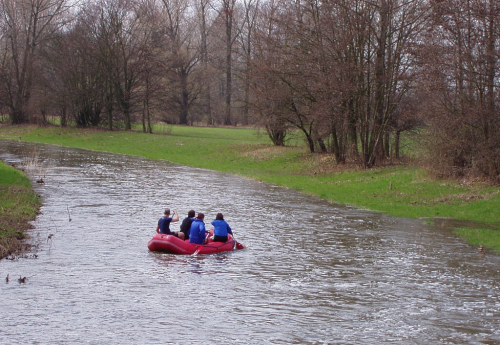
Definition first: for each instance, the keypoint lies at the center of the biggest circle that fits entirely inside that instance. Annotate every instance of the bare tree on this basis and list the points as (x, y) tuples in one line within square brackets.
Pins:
[(182, 54), (342, 68), (283, 85), (74, 75), (251, 12), (151, 58), (125, 46), (205, 23), (25, 26), (230, 30), (462, 70), (267, 104)]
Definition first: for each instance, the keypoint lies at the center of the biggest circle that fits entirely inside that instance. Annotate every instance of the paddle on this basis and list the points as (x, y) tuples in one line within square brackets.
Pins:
[(234, 239)]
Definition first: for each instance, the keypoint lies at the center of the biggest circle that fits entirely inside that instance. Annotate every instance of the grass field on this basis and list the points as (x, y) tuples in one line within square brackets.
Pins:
[(399, 190), (18, 205)]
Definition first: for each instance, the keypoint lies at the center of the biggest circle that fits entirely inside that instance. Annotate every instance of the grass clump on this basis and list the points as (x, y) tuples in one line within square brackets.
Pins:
[(18, 206)]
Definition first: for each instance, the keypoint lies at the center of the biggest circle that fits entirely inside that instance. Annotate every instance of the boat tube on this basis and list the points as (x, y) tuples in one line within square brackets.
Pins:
[(174, 245)]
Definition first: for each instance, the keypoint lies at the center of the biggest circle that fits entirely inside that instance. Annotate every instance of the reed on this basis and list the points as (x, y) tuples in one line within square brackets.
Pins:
[(36, 167)]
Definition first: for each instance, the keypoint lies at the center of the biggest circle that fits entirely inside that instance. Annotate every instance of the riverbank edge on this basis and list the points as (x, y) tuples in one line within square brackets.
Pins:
[(112, 141), (20, 206)]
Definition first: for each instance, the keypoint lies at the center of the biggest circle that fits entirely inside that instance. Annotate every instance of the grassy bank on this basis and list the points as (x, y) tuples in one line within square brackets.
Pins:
[(403, 191), (19, 206)]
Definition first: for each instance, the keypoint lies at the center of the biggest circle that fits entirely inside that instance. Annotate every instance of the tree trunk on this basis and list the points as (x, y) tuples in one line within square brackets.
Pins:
[(395, 148), (491, 132), (183, 119), (64, 117), (320, 141), (126, 116), (377, 148), (229, 55), (387, 144), (339, 157)]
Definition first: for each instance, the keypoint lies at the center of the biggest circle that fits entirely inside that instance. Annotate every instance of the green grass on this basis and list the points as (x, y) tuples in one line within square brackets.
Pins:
[(488, 238), (12, 176), (406, 192), (403, 191), (18, 205)]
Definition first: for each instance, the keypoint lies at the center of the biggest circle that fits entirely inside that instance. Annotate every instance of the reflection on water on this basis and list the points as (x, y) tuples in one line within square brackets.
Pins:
[(311, 273)]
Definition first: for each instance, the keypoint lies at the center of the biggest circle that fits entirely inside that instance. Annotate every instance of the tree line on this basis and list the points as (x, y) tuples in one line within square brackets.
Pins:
[(350, 75)]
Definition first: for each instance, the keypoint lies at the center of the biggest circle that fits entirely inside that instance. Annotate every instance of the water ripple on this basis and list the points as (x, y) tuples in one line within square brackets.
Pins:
[(311, 273)]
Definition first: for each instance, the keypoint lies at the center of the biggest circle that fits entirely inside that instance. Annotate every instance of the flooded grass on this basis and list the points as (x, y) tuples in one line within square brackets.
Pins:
[(489, 238)]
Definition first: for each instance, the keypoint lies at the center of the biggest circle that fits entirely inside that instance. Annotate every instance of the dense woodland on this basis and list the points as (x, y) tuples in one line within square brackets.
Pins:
[(350, 75)]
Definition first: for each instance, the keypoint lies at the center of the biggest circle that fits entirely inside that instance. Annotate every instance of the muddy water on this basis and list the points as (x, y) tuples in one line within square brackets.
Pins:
[(311, 273)]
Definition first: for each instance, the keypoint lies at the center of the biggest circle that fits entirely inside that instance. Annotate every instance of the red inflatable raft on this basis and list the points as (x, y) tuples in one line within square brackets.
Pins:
[(174, 245)]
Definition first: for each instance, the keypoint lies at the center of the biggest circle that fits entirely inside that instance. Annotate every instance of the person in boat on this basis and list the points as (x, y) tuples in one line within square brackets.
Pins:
[(163, 226), (186, 224), (197, 231), (221, 228)]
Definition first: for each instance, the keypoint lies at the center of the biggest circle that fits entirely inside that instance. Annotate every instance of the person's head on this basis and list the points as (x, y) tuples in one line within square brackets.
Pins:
[(201, 216), (219, 216), (191, 213), (167, 212)]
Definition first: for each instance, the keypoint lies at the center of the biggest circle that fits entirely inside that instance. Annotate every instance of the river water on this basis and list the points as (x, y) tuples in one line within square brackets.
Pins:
[(311, 273)]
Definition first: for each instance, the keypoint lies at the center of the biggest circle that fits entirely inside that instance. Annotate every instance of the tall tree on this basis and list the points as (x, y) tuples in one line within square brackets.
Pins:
[(125, 47), (151, 53), (205, 25), (251, 12), (462, 68), (227, 14), (182, 54), (77, 80), (25, 25)]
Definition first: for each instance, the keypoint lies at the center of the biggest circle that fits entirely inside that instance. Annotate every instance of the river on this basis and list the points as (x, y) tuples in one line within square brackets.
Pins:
[(312, 272)]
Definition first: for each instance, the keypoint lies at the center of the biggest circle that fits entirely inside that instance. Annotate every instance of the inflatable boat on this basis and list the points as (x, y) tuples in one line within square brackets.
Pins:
[(171, 244)]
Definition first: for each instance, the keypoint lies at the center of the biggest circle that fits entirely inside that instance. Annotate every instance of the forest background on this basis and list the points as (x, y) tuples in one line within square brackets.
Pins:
[(353, 77)]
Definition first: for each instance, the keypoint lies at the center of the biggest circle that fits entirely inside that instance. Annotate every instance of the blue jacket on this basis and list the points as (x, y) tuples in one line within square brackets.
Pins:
[(221, 228), (197, 231)]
